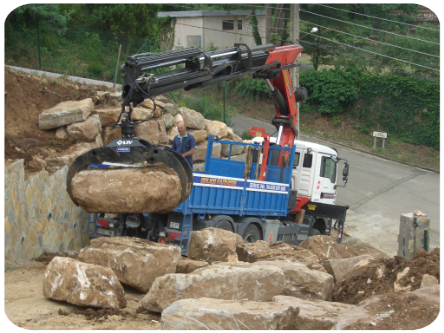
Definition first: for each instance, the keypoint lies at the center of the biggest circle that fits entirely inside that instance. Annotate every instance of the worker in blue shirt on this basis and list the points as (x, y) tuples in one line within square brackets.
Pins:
[(185, 143)]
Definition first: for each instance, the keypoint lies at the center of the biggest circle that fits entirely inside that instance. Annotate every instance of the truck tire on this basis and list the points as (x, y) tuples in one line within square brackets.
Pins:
[(225, 225), (251, 234)]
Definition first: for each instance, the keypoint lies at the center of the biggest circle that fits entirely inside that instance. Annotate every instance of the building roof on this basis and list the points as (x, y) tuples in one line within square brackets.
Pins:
[(202, 13)]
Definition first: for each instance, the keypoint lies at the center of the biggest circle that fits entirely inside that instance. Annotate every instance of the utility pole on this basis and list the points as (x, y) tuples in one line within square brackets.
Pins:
[(294, 37)]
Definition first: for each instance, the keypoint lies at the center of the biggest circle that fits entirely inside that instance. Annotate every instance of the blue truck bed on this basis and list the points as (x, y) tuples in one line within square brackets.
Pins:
[(222, 189)]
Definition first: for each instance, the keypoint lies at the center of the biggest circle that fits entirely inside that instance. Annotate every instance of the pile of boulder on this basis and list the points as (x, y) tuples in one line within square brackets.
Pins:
[(223, 284), (88, 122)]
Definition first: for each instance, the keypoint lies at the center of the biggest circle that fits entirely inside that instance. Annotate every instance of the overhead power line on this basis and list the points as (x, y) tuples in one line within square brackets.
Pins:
[(375, 17), (371, 40), (363, 26), (333, 49), (382, 55)]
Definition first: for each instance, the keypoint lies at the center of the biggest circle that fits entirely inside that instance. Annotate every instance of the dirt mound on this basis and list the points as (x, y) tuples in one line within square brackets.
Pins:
[(400, 311), (379, 276), (26, 96), (96, 315)]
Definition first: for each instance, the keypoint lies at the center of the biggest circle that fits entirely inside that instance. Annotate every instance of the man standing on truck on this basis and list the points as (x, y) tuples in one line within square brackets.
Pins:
[(185, 143)]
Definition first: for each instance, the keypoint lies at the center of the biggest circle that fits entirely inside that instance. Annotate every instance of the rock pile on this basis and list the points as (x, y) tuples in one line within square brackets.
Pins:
[(276, 285), (88, 122)]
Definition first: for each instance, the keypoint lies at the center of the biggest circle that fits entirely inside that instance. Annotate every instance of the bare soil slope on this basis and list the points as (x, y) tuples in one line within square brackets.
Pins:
[(26, 96)]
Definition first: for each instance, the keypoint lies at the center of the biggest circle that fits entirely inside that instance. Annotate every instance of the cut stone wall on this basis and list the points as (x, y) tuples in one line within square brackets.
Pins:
[(39, 215)]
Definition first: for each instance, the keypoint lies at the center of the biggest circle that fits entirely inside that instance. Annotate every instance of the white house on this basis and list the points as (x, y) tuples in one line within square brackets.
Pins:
[(214, 29)]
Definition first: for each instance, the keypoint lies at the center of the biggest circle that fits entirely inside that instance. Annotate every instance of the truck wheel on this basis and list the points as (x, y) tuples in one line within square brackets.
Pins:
[(251, 234), (225, 225)]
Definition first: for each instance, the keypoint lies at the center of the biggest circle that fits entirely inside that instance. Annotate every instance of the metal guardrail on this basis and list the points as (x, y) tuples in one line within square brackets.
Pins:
[(433, 239)]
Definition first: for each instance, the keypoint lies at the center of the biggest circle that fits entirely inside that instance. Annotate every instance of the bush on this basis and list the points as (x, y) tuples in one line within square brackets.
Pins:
[(95, 69), (208, 107), (331, 91)]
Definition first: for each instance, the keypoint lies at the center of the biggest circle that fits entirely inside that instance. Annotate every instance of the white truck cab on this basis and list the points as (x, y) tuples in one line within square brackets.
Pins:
[(314, 173)]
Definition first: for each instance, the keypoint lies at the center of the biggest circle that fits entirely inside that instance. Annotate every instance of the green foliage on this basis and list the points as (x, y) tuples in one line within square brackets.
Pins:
[(246, 136), (331, 91), (132, 19), (95, 69), (247, 86), (406, 107), (207, 105)]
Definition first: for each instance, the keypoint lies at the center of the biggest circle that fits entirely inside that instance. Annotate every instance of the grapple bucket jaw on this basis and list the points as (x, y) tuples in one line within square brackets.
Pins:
[(134, 151)]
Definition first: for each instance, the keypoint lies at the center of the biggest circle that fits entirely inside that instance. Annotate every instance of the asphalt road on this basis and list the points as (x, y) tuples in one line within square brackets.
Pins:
[(378, 192)]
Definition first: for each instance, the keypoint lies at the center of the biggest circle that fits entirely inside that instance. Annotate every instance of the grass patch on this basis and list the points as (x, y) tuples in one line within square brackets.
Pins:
[(10, 269)]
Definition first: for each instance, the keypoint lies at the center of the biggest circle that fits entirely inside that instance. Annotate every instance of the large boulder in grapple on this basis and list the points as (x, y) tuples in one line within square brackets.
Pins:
[(153, 189)]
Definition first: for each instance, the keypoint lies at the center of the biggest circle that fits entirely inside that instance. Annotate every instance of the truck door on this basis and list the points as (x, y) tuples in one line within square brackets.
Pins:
[(323, 190), (306, 174)]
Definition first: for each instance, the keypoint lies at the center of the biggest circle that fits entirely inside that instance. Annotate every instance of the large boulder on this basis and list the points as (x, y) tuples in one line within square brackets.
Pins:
[(149, 131), (172, 133), (326, 248), (66, 113), (228, 281), (136, 262), (303, 282), (163, 135), (192, 119), (154, 189), (187, 265), (216, 314), (201, 151), (178, 118), (233, 137), (235, 149), (149, 105), (66, 158), (109, 135), (199, 135), (213, 244), (108, 116), (170, 108), (85, 130), (140, 114), (319, 315), (216, 128), (168, 120), (264, 251), (339, 267), (82, 284)]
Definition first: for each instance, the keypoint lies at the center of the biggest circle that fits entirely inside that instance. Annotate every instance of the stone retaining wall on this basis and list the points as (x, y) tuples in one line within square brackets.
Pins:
[(39, 215)]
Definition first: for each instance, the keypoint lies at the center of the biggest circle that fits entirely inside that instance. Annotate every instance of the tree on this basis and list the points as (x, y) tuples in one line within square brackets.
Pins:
[(48, 16), (137, 18)]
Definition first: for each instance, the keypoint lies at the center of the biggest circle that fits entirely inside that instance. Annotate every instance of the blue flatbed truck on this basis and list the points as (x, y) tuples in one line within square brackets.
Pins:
[(225, 195)]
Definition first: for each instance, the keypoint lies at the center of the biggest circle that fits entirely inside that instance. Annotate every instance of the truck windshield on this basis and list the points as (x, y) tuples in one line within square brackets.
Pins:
[(328, 169)]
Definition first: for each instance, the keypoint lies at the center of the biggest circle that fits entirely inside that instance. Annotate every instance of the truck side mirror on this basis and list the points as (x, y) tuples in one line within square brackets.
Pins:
[(345, 170)]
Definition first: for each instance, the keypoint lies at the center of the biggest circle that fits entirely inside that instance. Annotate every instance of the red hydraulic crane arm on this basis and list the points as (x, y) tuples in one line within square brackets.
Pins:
[(286, 117)]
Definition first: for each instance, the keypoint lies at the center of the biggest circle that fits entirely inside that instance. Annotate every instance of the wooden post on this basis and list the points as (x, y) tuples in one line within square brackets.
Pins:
[(117, 66)]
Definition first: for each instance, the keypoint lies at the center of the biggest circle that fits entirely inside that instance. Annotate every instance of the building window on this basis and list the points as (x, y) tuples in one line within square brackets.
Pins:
[(239, 24), (194, 41), (328, 169), (228, 25)]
